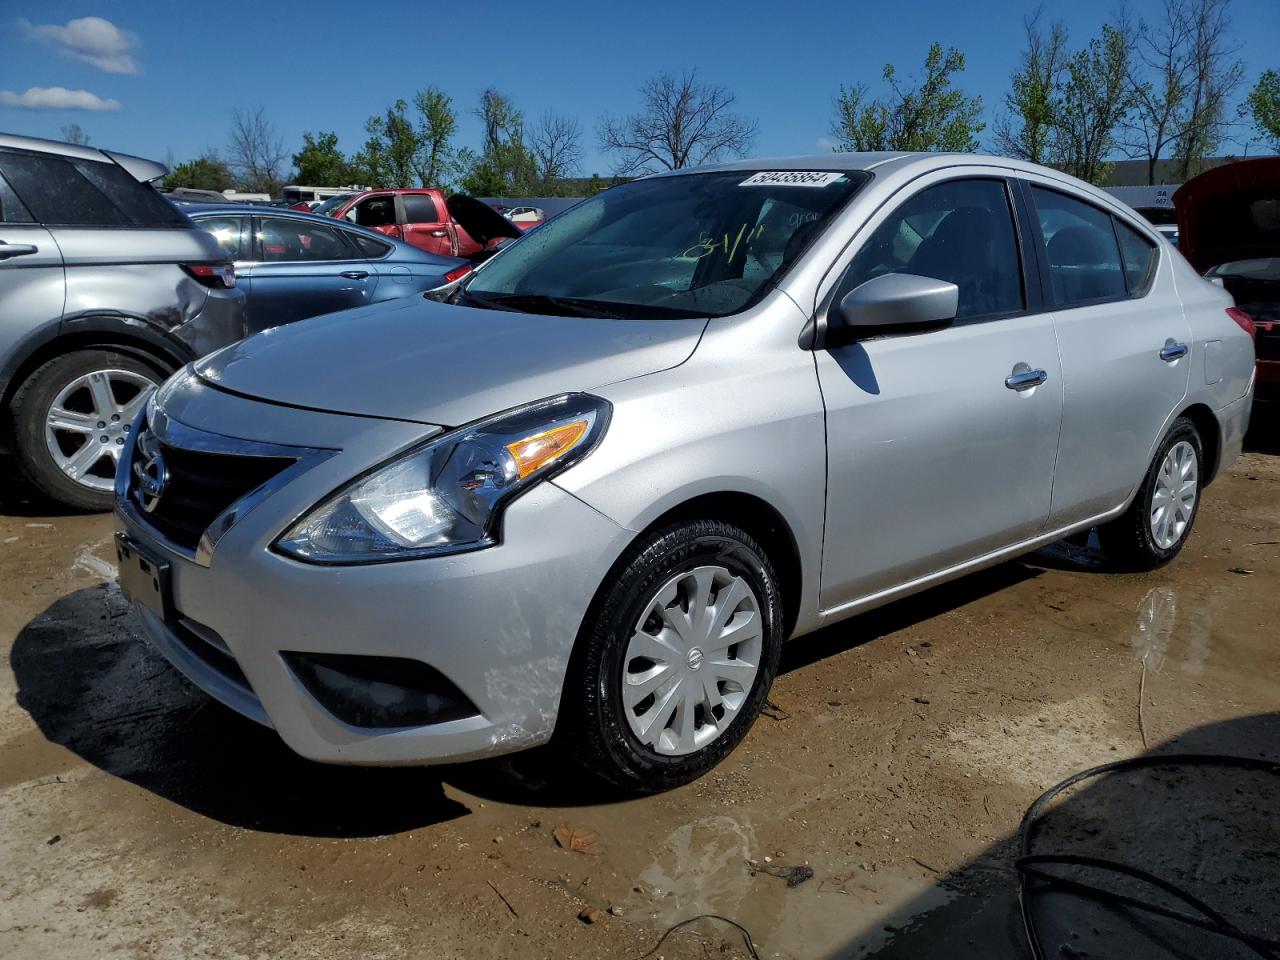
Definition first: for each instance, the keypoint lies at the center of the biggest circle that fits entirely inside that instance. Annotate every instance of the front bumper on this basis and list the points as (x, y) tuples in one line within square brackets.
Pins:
[(498, 623)]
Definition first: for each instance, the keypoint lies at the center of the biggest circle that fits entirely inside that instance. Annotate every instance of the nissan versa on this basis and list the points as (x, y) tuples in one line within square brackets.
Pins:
[(691, 417)]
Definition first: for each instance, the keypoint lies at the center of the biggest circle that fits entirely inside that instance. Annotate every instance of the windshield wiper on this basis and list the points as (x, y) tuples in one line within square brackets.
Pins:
[(574, 306)]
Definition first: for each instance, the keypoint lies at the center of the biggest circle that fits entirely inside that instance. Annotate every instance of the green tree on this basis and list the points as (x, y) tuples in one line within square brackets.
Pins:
[(206, 172), (1095, 98), (506, 167), (320, 163), (1026, 130), (931, 115), (389, 157), (1264, 104), (437, 123)]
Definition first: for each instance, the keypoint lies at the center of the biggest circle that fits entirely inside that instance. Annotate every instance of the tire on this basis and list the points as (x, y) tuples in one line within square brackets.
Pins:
[(1143, 537), (668, 571), (77, 385)]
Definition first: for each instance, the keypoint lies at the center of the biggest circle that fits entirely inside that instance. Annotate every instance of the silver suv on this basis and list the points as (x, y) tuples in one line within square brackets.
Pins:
[(105, 289)]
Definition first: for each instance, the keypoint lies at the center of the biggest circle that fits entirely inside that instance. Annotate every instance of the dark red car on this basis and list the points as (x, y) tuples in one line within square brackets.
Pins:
[(457, 226), (1229, 228)]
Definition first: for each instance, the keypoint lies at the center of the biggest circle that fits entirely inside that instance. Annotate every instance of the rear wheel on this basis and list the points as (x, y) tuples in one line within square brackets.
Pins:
[(677, 660), (70, 421), (1158, 522)]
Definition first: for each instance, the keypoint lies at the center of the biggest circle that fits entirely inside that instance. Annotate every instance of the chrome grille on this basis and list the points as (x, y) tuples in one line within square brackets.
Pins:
[(197, 485)]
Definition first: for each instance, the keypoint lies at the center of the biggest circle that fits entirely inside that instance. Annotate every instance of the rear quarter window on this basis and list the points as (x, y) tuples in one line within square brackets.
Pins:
[(1140, 256), (67, 192), (369, 247)]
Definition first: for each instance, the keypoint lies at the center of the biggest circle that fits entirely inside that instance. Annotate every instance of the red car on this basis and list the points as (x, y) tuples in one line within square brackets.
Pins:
[(458, 226), (1229, 228)]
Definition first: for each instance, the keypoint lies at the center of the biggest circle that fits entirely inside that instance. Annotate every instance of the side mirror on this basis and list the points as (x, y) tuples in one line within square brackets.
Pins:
[(892, 303)]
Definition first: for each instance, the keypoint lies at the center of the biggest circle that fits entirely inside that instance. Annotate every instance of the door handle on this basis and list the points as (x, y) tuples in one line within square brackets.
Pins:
[(439, 233), (355, 274), (1025, 379), (1172, 350), (8, 250)]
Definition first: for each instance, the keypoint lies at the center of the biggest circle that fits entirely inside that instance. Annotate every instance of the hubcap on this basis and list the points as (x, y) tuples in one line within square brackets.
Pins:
[(692, 660), (1174, 499), (88, 423)]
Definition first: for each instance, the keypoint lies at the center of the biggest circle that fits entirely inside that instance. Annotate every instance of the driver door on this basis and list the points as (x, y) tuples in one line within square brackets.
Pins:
[(934, 455)]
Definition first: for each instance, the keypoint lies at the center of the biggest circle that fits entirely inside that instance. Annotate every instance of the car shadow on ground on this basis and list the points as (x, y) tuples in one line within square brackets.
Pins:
[(18, 498), (1210, 830), (94, 686)]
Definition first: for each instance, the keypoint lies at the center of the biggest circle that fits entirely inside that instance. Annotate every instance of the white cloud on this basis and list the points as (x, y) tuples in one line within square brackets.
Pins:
[(826, 143), (93, 40), (56, 98)]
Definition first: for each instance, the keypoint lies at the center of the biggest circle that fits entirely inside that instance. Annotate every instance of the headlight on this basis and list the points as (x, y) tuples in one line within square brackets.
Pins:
[(447, 494)]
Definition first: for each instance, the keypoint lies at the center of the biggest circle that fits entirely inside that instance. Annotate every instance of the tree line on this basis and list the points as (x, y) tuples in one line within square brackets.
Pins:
[(1159, 90)]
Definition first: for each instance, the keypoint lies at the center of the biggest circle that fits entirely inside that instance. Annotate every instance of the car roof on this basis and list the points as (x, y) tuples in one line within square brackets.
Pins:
[(139, 168)]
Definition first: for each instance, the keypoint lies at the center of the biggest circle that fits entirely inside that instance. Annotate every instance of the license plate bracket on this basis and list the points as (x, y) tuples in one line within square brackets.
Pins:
[(144, 577)]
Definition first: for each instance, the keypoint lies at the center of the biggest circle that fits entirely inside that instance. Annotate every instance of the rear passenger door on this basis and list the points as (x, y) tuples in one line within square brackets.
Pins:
[(303, 269), (1124, 343), (32, 284), (940, 445), (425, 225)]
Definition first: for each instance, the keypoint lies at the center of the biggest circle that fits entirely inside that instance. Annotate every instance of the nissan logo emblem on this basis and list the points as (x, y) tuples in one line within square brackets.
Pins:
[(150, 472)]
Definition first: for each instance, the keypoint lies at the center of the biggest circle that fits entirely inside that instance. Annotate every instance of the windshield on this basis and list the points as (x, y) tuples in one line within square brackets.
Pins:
[(328, 206), (707, 244)]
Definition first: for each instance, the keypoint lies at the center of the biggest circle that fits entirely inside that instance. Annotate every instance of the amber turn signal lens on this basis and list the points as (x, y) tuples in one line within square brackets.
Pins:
[(540, 449)]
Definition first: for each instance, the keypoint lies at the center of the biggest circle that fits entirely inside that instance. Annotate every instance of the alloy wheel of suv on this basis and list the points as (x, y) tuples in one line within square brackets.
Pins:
[(72, 418), (88, 422)]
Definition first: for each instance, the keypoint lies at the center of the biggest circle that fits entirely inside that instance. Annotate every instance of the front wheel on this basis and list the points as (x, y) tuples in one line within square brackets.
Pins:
[(1158, 522), (677, 660)]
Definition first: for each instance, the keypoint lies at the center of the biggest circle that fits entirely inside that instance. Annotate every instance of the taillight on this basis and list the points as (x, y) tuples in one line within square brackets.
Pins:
[(457, 273), (1243, 320), (221, 276)]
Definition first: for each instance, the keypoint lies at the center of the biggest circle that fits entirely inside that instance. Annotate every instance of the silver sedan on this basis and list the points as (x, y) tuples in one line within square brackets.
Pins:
[(688, 419)]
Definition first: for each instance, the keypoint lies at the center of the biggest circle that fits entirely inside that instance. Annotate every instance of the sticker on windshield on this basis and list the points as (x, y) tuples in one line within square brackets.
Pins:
[(791, 178)]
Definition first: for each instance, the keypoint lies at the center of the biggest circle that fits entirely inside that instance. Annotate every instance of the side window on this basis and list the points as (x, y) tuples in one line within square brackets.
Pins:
[(285, 239), (960, 231), (55, 191), (420, 208), (376, 212), (12, 210), (369, 247), (229, 232), (1140, 257), (1084, 258)]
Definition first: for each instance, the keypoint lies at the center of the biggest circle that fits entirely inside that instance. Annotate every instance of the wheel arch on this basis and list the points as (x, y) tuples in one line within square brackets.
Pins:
[(756, 517), (1210, 431), (141, 343)]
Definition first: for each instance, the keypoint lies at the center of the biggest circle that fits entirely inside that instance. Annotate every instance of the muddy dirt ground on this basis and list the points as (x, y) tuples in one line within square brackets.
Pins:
[(140, 819)]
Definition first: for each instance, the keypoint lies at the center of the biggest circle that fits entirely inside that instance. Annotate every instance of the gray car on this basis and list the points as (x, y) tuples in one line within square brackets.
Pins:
[(105, 289), (692, 417)]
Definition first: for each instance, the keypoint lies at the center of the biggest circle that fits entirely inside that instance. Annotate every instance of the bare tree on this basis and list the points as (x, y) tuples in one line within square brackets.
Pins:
[(1216, 73), (1181, 71), (682, 122), (256, 153), (1026, 130), (73, 134), (556, 144)]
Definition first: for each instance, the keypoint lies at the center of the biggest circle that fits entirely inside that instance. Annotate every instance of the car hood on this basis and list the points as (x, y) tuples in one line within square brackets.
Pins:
[(434, 363), (1230, 213)]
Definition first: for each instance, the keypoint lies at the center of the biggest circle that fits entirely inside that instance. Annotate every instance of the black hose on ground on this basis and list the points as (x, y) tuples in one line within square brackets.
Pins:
[(1205, 917)]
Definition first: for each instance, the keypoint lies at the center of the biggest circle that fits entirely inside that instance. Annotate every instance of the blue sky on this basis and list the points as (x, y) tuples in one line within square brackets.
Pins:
[(170, 73)]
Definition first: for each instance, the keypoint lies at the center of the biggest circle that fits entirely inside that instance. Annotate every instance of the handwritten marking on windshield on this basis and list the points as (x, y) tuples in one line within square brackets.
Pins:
[(709, 245)]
